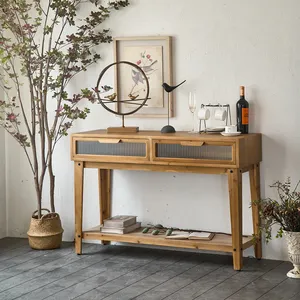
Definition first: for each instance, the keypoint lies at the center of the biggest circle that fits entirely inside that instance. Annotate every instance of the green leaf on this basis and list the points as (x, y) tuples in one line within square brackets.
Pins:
[(64, 95)]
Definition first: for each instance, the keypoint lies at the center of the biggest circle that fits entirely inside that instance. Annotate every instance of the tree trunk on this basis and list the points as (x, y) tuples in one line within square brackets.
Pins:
[(38, 196), (52, 184)]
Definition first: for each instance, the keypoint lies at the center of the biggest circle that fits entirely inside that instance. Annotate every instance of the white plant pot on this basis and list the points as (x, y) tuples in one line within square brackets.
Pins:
[(293, 245)]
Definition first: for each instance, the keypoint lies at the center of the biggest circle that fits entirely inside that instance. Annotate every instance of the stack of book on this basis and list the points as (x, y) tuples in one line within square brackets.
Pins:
[(120, 224)]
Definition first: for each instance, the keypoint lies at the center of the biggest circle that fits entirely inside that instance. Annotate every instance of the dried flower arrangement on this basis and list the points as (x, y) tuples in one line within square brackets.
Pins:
[(284, 212)]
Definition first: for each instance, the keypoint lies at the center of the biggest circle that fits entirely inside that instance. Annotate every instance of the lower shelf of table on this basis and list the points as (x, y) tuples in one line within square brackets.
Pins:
[(220, 242)]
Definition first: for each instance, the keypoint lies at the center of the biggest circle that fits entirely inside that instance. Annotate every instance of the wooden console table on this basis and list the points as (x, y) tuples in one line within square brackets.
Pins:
[(178, 152)]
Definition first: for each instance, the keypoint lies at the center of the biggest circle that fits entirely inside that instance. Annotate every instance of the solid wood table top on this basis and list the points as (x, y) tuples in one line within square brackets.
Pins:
[(159, 135)]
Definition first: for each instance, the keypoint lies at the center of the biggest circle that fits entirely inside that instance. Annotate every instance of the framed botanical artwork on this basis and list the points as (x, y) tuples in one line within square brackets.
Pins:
[(153, 55)]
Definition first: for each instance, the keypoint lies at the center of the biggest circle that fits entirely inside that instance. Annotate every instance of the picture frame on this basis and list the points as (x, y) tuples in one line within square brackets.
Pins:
[(153, 54)]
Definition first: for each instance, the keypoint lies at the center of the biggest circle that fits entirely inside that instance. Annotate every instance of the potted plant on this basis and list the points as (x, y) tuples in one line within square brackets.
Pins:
[(284, 212), (43, 46)]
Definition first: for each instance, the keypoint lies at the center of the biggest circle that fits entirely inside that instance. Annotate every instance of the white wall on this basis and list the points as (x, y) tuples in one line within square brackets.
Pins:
[(2, 185), (218, 45)]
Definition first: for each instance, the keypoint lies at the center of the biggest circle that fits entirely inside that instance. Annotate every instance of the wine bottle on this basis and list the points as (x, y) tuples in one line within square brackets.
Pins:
[(242, 112)]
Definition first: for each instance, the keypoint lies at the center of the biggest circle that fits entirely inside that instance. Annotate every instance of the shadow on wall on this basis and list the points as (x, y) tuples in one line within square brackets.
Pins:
[(274, 162), (255, 109), (273, 166), (274, 158)]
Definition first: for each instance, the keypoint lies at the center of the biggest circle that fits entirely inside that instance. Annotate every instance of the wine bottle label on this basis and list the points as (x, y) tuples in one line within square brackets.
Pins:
[(245, 116)]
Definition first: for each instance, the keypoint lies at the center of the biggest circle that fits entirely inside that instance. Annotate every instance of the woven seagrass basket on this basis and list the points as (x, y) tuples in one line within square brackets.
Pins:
[(45, 233)]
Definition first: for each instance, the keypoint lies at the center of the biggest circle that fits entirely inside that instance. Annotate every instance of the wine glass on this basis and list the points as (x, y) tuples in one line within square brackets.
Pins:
[(192, 108)]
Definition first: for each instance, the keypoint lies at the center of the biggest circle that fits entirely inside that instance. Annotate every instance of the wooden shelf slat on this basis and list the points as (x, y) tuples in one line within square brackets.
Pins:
[(220, 242)]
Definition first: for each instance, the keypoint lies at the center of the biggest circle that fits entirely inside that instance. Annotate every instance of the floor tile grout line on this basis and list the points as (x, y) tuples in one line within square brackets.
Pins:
[(89, 255), (146, 278), (121, 276), (192, 282), (124, 251), (91, 245), (236, 275), (70, 273), (27, 249), (143, 279), (10, 249), (43, 252), (255, 279), (272, 288), (107, 281), (127, 273), (130, 272), (34, 267), (198, 264), (214, 285), (265, 272), (47, 253), (38, 267), (21, 254), (293, 297)]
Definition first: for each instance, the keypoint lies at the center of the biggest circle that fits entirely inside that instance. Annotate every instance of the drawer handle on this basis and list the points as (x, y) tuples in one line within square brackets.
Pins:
[(109, 141), (188, 143)]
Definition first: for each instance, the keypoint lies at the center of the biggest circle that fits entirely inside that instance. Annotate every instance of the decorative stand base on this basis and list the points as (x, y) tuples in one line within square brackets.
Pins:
[(295, 273), (168, 129), (122, 129)]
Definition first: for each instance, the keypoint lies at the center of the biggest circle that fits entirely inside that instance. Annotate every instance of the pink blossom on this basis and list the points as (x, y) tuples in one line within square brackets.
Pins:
[(148, 56), (59, 109), (71, 37), (11, 117), (138, 62), (27, 27)]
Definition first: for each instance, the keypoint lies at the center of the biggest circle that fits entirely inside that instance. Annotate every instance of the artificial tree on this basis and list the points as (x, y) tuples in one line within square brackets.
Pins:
[(44, 45)]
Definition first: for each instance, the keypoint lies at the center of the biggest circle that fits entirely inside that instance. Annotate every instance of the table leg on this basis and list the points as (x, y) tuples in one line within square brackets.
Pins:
[(78, 187), (104, 181), (255, 195), (236, 216)]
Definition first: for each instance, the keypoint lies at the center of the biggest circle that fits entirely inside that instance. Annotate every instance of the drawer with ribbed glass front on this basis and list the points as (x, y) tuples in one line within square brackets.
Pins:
[(111, 149), (194, 151)]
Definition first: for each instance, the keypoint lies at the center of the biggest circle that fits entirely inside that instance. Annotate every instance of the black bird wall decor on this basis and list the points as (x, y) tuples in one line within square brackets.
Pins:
[(168, 88)]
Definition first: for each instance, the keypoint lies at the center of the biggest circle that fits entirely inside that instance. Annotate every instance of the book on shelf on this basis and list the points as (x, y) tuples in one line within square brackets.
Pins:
[(121, 230), (185, 235), (119, 221)]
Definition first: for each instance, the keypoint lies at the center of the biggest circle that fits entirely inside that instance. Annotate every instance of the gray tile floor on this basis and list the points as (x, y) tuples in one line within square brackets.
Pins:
[(121, 272)]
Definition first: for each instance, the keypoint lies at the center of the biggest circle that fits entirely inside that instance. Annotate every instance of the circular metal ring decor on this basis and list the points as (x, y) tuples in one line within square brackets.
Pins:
[(119, 101)]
